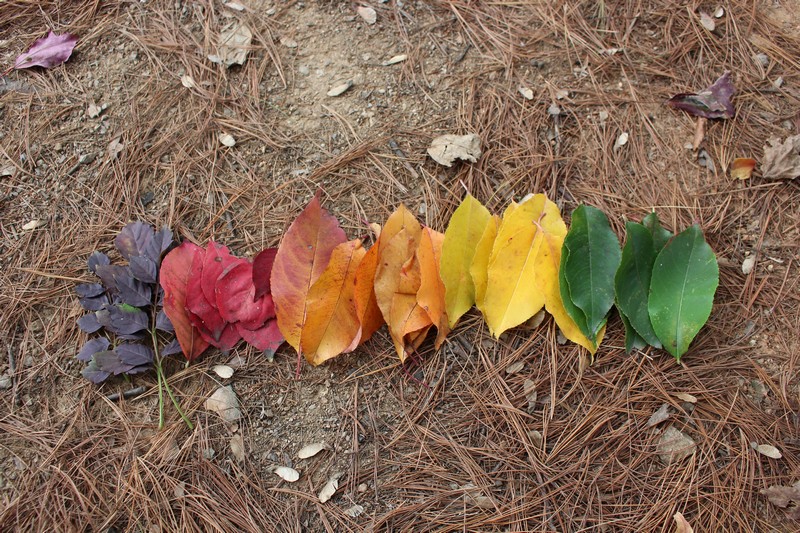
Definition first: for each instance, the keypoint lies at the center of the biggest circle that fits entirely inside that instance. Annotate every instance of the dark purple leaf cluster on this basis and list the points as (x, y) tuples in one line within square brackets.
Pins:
[(126, 304)]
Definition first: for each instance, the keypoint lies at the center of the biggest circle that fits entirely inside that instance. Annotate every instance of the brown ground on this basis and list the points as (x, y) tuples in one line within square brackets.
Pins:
[(451, 443)]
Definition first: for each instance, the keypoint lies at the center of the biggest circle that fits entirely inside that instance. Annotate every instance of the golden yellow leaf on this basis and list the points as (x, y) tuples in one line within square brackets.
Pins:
[(466, 227), (478, 270), (331, 321), (367, 310), (431, 294), (512, 294)]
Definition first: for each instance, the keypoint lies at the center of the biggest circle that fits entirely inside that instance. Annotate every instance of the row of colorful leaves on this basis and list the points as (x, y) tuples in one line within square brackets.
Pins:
[(330, 295)]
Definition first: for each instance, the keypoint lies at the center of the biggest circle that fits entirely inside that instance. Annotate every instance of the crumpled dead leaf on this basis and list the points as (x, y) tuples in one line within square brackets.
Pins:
[(237, 447), (225, 403), (782, 159), (787, 498), (742, 168), (674, 446), (288, 474), (681, 524), (659, 416), (713, 102), (234, 41), (330, 488), (447, 148)]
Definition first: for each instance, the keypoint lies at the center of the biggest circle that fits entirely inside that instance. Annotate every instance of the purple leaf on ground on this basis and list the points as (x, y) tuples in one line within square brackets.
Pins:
[(120, 321), (174, 347), (109, 361), (163, 322), (132, 291), (96, 259), (106, 274), (93, 373), (134, 354), (133, 238), (48, 51), (89, 290), (92, 347), (159, 244), (89, 323), (95, 303), (714, 102), (144, 269)]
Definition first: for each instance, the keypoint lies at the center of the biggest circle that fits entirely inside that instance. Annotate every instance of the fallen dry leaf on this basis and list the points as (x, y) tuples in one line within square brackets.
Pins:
[(681, 524), (787, 498), (674, 446), (782, 159), (288, 474), (234, 43), (329, 489), (227, 140), (659, 416), (237, 447), (686, 397), (368, 14), (311, 450), (395, 59), (768, 450), (707, 22), (223, 371), (225, 403), (48, 51), (742, 168), (713, 102), (445, 149), (340, 89)]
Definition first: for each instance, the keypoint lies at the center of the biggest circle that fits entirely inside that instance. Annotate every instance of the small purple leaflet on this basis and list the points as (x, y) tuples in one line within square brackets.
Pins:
[(48, 51)]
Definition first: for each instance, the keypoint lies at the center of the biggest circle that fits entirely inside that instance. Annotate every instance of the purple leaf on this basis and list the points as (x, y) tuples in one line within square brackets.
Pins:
[(92, 347), (131, 291), (106, 275), (144, 269), (96, 259), (109, 361), (714, 102), (121, 321), (94, 304), (159, 244), (89, 323), (140, 369), (94, 374), (163, 322), (48, 51), (174, 347), (89, 290), (134, 354), (133, 238)]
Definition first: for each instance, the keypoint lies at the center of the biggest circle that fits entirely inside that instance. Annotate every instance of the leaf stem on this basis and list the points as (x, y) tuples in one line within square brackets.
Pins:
[(164, 384)]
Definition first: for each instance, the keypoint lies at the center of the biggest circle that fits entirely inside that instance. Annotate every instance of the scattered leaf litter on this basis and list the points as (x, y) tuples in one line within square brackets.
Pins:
[(225, 403), (368, 14), (288, 474), (340, 89), (234, 42), (445, 149), (223, 371), (659, 416), (767, 450), (227, 140), (312, 449)]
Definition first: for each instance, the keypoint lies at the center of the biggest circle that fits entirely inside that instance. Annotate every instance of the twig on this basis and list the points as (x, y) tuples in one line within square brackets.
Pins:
[(128, 394)]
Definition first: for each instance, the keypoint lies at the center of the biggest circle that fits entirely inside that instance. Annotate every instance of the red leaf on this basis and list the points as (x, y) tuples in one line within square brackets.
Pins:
[(262, 269), (235, 297), (202, 313), (48, 51), (175, 269), (217, 258), (302, 257), (266, 338)]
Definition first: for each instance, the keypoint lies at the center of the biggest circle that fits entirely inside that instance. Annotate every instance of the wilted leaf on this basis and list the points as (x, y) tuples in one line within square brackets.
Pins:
[(301, 258), (174, 275), (681, 524), (685, 278), (213, 262), (202, 311), (311, 450), (632, 281), (330, 488), (787, 498), (461, 239), (768, 450), (742, 168), (431, 294), (445, 149), (266, 338), (235, 297), (331, 324), (714, 102), (48, 51), (589, 268), (782, 159), (225, 403), (234, 43)]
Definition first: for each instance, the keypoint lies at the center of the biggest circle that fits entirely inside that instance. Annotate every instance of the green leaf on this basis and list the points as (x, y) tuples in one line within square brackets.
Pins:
[(660, 235), (574, 313), (632, 339), (685, 278), (594, 256), (632, 281)]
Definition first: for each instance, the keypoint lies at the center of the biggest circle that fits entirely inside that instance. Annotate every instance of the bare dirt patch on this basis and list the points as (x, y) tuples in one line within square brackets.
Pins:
[(451, 441)]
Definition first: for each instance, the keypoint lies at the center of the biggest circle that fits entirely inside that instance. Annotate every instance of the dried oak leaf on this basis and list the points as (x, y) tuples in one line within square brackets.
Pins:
[(787, 498), (782, 159)]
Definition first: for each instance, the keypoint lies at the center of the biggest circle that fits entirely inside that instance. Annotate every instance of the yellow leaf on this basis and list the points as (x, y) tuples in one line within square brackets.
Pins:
[(461, 239), (478, 270), (512, 294), (331, 321), (553, 230), (431, 294)]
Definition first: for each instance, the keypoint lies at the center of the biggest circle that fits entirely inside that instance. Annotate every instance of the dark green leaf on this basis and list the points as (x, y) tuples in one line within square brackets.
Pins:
[(566, 299), (632, 281), (632, 339), (685, 278), (659, 233), (594, 256)]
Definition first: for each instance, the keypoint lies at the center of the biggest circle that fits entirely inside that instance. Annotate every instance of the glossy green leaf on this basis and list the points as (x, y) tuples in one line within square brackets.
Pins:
[(632, 281), (685, 278), (632, 339), (659, 233), (594, 256), (574, 312)]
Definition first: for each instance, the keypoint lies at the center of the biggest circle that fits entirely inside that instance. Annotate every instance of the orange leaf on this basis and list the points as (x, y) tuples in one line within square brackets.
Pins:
[(742, 168), (367, 310), (431, 292), (302, 257), (331, 323), (174, 276)]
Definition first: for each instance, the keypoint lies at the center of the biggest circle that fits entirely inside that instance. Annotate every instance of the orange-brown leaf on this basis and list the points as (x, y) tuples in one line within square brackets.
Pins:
[(431, 294), (302, 257), (367, 310), (331, 323)]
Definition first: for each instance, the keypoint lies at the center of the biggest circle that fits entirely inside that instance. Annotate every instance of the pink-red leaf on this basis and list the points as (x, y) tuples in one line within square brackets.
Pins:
[(262, 269), (202, 312), (48, 51), (267, 338), (302, 257), (236, 300), (216, 259), (175, 271)]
